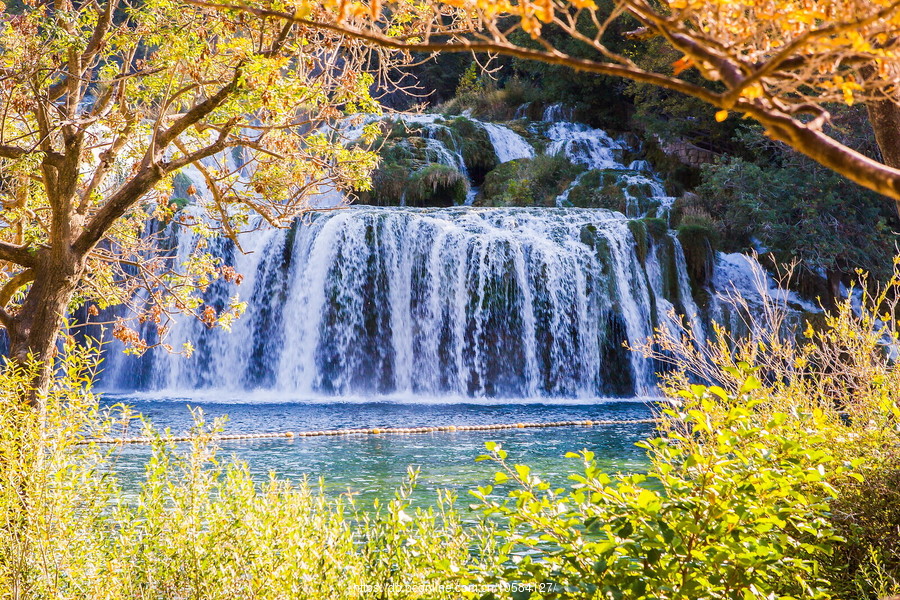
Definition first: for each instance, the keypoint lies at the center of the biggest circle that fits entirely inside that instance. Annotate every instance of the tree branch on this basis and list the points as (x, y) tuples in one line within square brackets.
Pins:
[(100, 31), (107, 160), (557, 58), (13, 152), (130, 193), (19, 255), (191, 117), (13, 284), (827, 151)]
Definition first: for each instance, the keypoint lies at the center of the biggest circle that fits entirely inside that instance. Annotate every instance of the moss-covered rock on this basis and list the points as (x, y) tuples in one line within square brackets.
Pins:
[(588, 235), (610, 196), (436, 185), (699, 241), (415, 183), (528, 182), (641, 200), (180, 184), (388, 185), (598, 242), (603, 188), (474, 144), (656, 227), (668, 266), (639, 232), (639, 191)]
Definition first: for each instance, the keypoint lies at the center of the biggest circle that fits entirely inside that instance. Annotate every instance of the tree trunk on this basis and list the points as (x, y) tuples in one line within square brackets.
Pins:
[(884, 116), (35, 327)]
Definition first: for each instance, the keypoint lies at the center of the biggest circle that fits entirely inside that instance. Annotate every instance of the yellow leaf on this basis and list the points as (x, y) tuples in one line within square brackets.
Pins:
[(721, 115), (754, 91)]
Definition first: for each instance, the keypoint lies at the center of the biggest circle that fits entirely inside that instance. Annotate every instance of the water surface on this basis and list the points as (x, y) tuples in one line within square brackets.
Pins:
[(374, 466)]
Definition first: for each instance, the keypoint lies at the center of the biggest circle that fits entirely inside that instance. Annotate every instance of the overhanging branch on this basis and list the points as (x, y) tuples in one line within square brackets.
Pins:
[(557, 58), (805, 139)]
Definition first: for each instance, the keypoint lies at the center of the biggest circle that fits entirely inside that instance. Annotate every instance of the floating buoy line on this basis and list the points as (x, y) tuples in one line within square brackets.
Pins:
[(370, 431)]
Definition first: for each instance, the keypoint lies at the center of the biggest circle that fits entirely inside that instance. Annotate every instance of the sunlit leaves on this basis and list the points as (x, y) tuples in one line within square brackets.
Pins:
[(259, 155), (732, 508)]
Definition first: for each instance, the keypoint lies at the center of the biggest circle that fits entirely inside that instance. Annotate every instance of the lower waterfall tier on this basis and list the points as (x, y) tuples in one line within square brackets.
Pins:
[(459, 301)]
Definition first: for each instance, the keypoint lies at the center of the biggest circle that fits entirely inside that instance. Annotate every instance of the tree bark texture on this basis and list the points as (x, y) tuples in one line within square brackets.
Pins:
[(34, 329)]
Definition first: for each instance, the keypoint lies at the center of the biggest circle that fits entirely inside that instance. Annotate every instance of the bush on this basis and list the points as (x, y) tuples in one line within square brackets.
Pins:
[(796, 208), (528, 182), (198, 528), (733, 509), (489, 103), (867, 516), (839, 374)]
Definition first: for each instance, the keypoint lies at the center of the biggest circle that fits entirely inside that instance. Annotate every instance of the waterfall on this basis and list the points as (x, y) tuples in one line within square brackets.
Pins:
[(558, 112), (463, 301), (584, 145), (508, 144), (460, 302)]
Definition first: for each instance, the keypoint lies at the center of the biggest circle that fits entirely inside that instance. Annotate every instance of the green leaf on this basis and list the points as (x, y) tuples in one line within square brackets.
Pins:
[(750, 384), (523, 471)]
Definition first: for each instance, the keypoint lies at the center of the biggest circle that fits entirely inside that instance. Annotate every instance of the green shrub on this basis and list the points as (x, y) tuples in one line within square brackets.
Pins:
[(733, 509), (528, 182), (416, 183), (838, 374), (199, 527), (656, 227), (798, 209), (779, 481), (491, 103), (436, 185), (867, 515)]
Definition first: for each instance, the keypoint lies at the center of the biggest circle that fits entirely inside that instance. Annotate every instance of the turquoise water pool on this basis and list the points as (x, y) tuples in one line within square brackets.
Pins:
[(374, 466)]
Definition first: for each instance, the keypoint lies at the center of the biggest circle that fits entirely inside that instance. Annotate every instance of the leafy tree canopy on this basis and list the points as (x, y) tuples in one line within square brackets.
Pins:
[(104, 103), (780, 63)]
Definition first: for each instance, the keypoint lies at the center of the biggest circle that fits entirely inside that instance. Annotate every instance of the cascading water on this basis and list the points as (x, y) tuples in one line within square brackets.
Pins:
[(598, 151), (508, 145), (463, 301)]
